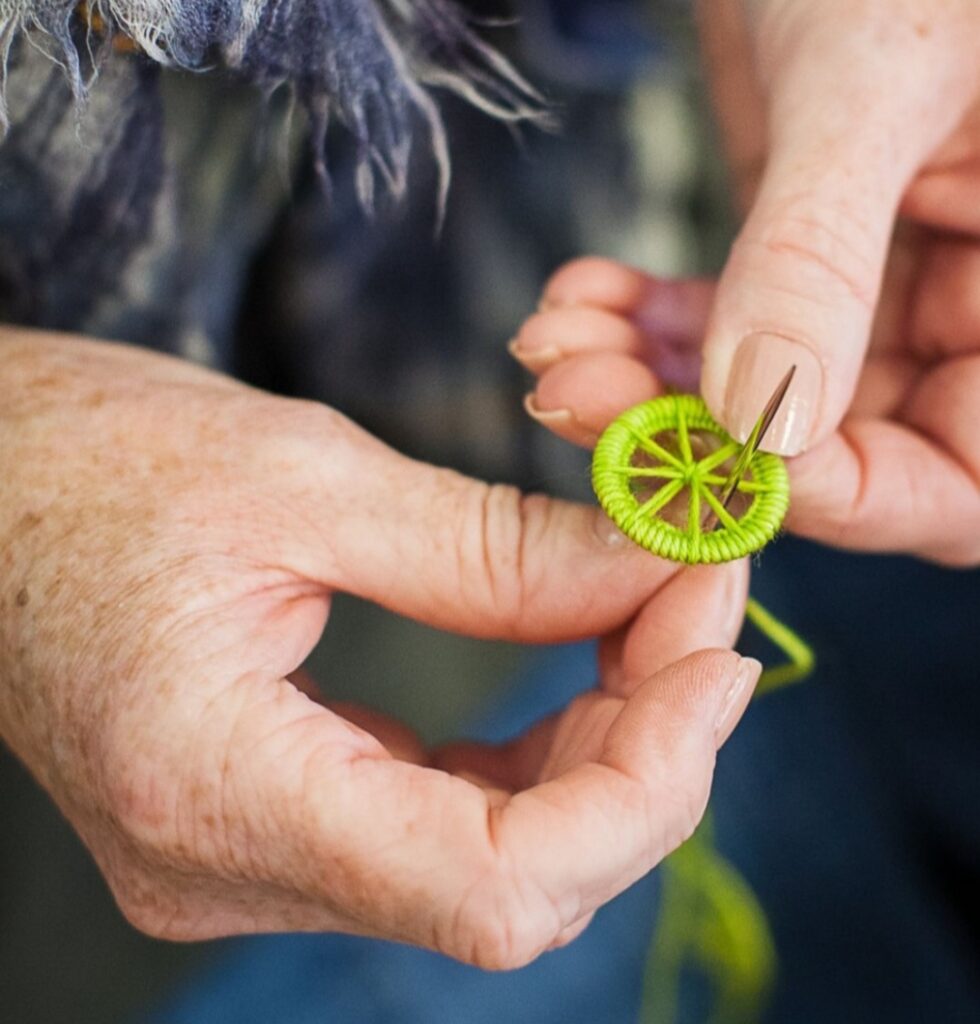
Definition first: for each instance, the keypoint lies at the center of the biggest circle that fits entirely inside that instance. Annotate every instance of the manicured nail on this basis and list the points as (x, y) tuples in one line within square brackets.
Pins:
[(547, 417), (563, 421), (736, 697), (761, 362), (535, 360)]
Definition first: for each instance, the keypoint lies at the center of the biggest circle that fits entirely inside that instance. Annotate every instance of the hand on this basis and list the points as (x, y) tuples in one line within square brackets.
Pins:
[(171, 540), (836, 116)]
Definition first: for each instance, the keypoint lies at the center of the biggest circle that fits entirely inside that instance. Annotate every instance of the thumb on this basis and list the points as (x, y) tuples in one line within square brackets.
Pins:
[(851, 116), (458, 554)]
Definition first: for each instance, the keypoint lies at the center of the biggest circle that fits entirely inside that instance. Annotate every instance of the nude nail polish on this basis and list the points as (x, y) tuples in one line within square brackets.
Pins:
[(733, 703), (761, 361), (547, 417), (562, 421), (535, 360)]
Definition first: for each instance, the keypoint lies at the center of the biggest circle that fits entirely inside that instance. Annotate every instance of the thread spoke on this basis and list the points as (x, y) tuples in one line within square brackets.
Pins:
[(662, 472), (694, 510), (683, 437), (652, 448), (665, 494), (720, 455), (745, 486), (720, 511)]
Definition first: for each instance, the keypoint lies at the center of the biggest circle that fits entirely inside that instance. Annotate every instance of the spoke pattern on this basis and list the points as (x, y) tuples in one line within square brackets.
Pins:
[(659, 453), (682, 470)]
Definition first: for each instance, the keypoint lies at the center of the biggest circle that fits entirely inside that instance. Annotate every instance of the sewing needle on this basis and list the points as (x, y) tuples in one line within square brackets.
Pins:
[(762, 424)]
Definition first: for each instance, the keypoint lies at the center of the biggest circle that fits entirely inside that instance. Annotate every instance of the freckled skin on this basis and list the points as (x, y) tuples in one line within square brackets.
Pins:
[(170, 540)]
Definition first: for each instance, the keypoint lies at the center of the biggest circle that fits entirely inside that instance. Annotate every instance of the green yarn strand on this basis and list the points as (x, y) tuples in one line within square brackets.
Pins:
[(709, 919), (800, 657)]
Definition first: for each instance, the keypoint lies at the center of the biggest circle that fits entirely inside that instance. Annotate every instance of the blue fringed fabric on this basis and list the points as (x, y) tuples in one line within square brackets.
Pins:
[(132, 192), (367, 63)]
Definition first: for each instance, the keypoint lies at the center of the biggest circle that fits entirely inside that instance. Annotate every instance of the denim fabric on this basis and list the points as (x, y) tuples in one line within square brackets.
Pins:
[(851, 803)]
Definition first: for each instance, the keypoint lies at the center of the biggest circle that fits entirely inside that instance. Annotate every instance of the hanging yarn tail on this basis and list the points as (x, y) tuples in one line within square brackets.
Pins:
[(800, 658), (710, 920)]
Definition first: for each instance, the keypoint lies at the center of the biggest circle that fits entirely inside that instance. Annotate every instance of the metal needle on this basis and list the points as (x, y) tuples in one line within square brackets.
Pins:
[(762, 424)]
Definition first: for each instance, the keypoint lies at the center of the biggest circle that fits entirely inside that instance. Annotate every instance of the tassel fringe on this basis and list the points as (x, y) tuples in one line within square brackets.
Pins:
[(367, 64)]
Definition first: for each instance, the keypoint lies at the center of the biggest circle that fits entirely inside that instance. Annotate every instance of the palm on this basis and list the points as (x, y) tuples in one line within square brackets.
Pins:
[(175, 539)]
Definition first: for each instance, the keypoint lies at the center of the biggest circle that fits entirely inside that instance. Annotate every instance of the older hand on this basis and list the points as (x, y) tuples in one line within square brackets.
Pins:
[(836, 117), (170, 543)]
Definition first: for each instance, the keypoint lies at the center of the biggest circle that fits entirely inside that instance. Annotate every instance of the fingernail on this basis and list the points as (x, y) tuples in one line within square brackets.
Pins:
[(535, 360), (547, 417), (736, 697), (761, 362), (608, 532), (562, 421)]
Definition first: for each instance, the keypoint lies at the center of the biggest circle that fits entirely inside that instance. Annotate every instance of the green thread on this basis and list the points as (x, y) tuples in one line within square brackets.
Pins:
[(710, 919), (799, 653), (619, 472), (709, 916)]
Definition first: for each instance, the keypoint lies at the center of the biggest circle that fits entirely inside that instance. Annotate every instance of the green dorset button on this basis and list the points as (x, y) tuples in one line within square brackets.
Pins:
[(658, 471)]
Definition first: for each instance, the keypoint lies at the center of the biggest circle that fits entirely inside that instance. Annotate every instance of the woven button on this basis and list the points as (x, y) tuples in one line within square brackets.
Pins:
[(658, 471)]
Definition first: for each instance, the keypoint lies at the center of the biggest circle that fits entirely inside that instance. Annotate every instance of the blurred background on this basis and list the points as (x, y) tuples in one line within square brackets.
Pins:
[(407, 334)]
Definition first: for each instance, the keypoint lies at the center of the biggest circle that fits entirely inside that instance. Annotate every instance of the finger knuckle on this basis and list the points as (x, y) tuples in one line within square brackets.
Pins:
[(492, 548), (138, 802), (504, 944), (288, 436), (145, 904), (491, 932), (151, 809), (503, 920), (834, 244)]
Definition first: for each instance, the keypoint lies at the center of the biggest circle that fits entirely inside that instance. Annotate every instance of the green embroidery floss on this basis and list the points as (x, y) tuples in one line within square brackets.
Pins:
[(799, 654), (658, 471), (660, 466), (710, 920)]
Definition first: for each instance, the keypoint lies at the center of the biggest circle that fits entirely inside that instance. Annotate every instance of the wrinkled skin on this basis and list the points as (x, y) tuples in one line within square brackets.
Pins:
[(171, 540), (853, 131)]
